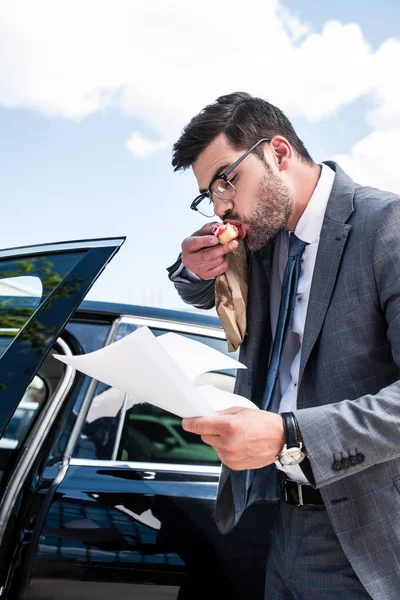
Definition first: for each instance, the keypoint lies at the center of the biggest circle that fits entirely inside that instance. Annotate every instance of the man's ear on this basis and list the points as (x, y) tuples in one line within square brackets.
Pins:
[(282, 152)]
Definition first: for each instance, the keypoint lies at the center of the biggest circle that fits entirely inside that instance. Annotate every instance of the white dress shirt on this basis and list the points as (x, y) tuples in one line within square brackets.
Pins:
[(307, 229)]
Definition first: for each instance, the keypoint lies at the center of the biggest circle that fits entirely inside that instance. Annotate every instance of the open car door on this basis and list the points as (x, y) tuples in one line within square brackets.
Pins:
[(40, 288)]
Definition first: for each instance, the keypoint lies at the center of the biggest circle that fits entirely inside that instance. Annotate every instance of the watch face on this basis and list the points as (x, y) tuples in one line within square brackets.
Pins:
[(291, 456)]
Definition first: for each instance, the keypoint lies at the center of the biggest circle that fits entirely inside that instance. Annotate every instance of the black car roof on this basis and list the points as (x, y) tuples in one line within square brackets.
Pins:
[(114, 308)]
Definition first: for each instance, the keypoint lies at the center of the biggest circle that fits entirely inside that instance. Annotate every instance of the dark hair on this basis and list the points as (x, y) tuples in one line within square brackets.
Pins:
[(244, 120)]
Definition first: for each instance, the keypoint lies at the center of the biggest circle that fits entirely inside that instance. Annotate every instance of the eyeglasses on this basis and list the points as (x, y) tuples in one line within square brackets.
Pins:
[(220, 186)]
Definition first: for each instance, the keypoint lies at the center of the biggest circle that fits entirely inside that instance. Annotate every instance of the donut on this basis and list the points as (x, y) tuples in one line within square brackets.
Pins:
[(225, 232)]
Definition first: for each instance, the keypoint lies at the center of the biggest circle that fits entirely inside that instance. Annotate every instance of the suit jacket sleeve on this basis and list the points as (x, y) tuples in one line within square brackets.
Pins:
[(199, 294), (368, 425)]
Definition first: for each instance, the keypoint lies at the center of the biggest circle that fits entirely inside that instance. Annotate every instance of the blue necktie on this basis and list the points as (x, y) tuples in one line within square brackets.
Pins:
[(288, 298)]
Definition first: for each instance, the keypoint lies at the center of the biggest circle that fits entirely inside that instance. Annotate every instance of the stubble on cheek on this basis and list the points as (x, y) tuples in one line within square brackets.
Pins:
[(267, 221), (270, 212)]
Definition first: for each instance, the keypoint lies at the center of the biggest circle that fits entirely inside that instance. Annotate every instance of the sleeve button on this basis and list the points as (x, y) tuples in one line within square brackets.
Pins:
[(337, 465), (360, 457)]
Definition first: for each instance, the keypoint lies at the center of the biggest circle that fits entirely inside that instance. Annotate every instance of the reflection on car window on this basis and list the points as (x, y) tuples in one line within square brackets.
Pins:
[(98, 436), (151, 434), (19, 298), (146, 433), (24, 416), (24, 284)]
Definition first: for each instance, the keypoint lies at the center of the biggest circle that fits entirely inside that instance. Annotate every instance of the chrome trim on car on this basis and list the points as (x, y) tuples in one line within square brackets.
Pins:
[(81, 418), (61, 246), (145, 466), (208, 331), (34, 440), (120, 429)]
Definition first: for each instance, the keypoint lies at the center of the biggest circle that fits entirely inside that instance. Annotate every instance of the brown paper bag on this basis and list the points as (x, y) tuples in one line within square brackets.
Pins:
[(231, 298)]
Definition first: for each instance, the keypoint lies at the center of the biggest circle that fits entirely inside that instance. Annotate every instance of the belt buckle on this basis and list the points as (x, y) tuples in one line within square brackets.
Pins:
[(300, 494)]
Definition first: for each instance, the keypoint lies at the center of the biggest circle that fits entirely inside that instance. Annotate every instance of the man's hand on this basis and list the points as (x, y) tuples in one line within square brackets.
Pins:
[(243, 438), (204, 255)]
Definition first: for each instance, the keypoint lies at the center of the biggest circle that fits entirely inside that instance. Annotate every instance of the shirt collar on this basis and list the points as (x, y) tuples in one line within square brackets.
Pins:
[(309, 225)]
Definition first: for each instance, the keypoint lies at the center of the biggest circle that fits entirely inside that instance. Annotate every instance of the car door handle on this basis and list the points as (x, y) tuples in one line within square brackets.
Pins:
[(149, 475)]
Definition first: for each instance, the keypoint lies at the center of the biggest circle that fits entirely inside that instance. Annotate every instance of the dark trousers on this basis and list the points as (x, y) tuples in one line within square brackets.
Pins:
[(306, 561)]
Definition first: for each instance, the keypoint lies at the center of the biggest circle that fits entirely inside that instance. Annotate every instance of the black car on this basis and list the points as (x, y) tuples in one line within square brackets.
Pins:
[(102, 497)]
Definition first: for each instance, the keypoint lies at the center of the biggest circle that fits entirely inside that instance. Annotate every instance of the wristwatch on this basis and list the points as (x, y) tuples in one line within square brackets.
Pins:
[(291, 453)]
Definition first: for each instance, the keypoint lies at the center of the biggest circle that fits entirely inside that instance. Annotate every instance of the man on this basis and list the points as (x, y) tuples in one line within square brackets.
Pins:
[(334, 401)]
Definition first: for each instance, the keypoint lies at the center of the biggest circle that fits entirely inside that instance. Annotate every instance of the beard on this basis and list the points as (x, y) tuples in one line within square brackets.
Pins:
[(271, 213)]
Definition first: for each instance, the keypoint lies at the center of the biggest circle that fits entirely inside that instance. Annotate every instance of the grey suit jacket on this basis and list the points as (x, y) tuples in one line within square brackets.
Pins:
[(348, 401)]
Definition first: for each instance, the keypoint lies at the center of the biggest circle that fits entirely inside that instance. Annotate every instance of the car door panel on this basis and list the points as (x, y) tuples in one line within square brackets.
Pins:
[(138, 527)]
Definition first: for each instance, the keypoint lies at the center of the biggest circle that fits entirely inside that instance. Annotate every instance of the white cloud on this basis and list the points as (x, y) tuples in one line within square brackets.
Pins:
[(163, 60), (328, 70), (296, 28), (141, 147), (374, 160), (386, 114)]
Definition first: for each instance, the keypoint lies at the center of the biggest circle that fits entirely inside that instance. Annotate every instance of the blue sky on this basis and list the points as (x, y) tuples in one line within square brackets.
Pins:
[(378, 20), (78, 83)]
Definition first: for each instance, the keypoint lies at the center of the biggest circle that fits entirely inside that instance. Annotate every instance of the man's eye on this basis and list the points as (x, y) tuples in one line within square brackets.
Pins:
[(233, 178)]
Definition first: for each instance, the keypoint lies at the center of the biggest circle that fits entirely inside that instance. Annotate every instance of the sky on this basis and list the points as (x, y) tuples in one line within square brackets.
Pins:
[(93, 95)]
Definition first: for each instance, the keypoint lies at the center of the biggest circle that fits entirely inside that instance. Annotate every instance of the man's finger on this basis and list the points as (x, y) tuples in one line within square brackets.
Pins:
[(212, 262), (207, 228), (233, 410), (213, 440), (197, 242), (219, 425), (216, 271), (222, 248)]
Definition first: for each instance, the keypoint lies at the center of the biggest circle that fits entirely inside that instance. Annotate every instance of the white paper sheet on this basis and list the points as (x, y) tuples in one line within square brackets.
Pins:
[(195, 358), (160, 370)]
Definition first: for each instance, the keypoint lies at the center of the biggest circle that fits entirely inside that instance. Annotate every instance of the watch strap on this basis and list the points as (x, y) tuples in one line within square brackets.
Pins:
[(292, 436)]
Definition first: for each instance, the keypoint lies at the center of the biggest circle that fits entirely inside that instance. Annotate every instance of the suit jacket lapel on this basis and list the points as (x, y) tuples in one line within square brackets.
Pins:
[(332, 243)]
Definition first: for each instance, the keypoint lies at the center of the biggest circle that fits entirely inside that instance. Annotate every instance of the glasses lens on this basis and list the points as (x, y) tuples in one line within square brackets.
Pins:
[(223, 189), (206, 207)]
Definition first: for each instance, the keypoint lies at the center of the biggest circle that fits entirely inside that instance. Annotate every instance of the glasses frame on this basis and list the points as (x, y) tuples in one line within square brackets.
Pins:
[(224, 176)]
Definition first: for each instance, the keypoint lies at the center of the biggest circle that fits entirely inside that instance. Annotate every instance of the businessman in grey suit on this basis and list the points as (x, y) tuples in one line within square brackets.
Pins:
[(326, 445)]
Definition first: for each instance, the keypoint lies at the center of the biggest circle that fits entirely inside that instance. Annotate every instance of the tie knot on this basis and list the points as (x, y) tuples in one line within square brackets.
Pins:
[(296, 246)]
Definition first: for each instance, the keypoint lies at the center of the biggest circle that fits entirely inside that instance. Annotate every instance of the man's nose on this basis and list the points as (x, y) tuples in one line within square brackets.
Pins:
[(221, 207)]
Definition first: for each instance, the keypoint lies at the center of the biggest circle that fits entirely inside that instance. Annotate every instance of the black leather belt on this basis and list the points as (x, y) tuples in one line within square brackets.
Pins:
[(301, 494)]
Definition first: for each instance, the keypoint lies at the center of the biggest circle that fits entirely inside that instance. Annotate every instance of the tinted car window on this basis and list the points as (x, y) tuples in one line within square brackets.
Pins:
[(85, 338), (24, 417), (151, 434), (82, 337), (98, 437), (118, 428)]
